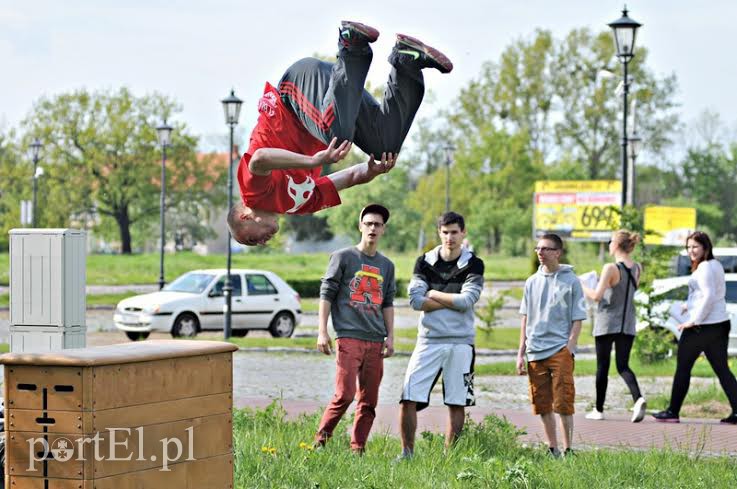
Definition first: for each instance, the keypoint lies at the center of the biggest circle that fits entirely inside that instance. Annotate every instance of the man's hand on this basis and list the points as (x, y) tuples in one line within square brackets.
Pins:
[(332, 154), (571, 345), (521, 370), (388, 160), (324, 344), (387, 349)]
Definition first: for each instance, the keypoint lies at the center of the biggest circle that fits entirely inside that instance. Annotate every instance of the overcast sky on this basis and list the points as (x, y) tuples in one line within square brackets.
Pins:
[(195, 50)]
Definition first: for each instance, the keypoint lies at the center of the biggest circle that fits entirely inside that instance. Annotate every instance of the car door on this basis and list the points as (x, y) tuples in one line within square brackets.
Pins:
[(260, 300), (212, 315), (731, 298)]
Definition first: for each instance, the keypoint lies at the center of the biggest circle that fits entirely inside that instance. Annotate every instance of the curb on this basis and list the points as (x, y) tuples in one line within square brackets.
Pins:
[(483, 352)]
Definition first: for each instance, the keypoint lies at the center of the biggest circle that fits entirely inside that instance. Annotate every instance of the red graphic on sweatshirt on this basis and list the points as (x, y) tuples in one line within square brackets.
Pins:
[(366, 286)]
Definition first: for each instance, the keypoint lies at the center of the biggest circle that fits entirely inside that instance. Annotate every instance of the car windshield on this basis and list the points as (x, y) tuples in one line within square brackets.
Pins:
[(194, 283), (683, 264)]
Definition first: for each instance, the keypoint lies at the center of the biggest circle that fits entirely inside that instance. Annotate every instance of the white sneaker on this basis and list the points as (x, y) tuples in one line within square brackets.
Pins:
[(596, 415), (638, 411)]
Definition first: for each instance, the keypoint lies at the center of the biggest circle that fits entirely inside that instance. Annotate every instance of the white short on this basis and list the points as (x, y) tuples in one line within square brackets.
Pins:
[(428, 361)]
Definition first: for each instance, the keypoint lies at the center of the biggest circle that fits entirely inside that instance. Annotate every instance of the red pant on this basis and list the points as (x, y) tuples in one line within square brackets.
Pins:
[(355, 359)]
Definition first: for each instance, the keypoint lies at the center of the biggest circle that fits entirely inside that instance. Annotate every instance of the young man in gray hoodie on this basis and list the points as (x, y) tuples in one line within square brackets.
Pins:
[(552, 309), (446, 283), (358, 292)]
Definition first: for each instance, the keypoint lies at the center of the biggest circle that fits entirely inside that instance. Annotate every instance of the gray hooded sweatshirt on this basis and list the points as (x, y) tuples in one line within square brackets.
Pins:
[(551, 302), (464, 277)]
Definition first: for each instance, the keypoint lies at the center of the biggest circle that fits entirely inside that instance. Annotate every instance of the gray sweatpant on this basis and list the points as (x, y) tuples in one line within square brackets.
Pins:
[(330, 101)]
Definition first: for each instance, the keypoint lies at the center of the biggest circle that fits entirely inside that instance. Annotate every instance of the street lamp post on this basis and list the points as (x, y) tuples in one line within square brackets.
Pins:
[(35, 151), (634, 144), (449, 150), (625, 32), (232, 110), (164, 133)]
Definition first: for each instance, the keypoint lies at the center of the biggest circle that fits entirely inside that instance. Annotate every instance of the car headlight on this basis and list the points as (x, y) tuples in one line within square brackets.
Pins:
[(152, 309)]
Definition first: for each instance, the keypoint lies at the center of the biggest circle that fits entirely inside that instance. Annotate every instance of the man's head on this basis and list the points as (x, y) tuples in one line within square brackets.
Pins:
[(549, 249), (251, 226), (452, 231), (371, 223)]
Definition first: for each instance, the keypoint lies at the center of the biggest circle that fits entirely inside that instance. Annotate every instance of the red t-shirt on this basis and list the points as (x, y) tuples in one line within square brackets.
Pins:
[(284, 191)]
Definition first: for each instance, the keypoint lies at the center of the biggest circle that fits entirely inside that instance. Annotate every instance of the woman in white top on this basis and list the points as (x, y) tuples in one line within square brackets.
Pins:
[(706, 330)]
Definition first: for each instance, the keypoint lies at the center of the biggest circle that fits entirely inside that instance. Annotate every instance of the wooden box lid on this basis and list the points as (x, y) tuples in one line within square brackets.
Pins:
[(141, 351)]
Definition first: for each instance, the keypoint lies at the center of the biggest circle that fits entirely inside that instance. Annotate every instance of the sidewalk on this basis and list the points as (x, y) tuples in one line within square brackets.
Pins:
[(692, 435)]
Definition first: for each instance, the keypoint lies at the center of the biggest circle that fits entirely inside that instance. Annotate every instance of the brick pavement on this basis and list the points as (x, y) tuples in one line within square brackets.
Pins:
[(693, 435)]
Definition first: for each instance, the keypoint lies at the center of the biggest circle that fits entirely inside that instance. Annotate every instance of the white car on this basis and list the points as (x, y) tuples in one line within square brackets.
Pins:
[(674, 292), (194, 302)]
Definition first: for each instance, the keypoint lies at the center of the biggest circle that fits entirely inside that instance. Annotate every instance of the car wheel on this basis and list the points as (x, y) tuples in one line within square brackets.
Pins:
[(239, 333), (136, 335), (185, 326), (282, 326)]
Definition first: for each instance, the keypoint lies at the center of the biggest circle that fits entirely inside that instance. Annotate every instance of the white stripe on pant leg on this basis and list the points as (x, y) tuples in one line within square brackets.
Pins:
[(457, 376)]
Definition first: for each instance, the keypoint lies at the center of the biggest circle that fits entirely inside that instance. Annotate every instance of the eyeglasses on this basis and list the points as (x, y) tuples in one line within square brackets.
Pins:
[(544, 249), (373, 224)]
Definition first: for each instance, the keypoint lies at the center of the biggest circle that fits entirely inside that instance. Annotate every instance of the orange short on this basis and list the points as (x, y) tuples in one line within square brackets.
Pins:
[(551, 384)]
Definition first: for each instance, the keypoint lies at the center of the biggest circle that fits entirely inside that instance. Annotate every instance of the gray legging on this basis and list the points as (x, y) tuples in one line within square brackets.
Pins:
[(330, 101)]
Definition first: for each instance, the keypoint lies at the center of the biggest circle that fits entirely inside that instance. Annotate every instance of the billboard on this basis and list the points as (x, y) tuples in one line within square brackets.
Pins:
[(669, 225), (577, 210)]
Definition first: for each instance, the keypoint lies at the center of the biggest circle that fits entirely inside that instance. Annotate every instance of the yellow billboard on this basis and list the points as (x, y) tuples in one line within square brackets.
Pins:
[(669, 225), (578, 210)]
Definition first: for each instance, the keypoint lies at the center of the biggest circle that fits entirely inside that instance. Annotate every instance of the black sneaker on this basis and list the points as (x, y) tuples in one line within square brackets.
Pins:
[(356, 34), (427, 56), (731, 419), (667, 416), (554, 452), (568, 452)]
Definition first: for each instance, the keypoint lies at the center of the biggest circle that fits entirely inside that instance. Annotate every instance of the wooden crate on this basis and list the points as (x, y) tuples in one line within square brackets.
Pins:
[(117, 416)]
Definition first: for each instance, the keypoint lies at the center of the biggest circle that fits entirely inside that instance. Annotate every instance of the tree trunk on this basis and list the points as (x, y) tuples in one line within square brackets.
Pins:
[(123, 220), (497, 239)]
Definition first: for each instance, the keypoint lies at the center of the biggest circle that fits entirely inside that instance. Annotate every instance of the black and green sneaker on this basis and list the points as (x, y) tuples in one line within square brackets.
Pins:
[(426, 56), (356, 34)]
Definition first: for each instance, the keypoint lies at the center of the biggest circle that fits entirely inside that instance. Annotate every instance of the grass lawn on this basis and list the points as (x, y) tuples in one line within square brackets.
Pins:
[(404, 340), (588, 367), (92, 299), (497, 339), (704, 402), (270, 451), (144, 268)]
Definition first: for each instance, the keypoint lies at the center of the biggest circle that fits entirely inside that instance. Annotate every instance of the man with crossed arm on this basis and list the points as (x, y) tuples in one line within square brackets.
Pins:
[(446, 284)]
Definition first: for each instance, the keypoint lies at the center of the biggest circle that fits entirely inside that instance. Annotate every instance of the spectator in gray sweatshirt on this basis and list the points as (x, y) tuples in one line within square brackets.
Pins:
[(446, 283), (552, 309), (358, 292)]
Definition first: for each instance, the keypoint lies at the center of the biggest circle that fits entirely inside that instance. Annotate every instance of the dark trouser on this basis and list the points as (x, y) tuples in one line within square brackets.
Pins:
[(623, 344), (330, 101), (712, 339)]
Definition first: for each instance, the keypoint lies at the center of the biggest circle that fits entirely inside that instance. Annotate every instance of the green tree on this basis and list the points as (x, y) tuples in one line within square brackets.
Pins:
[(389, 190), (550, 89), (590, 128), (709, 177), (492, 179), (102, 155), (15, 185)]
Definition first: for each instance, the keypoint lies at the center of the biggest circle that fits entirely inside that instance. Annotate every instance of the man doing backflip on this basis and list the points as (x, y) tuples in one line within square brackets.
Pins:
[(318, 111)]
